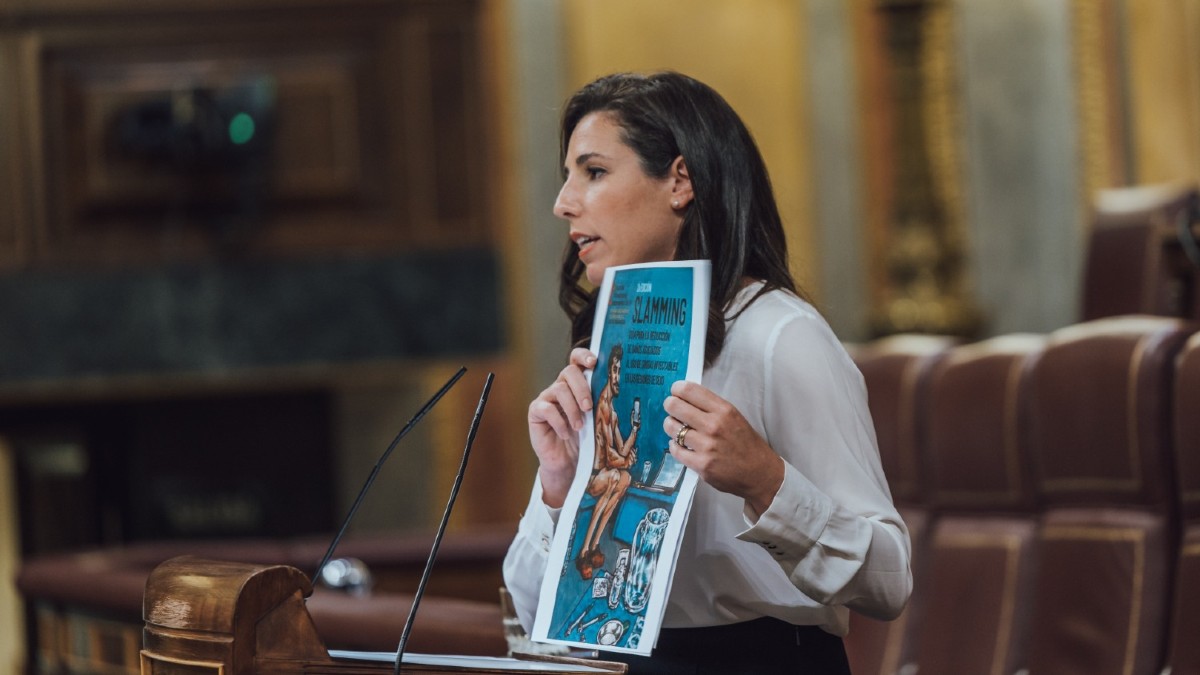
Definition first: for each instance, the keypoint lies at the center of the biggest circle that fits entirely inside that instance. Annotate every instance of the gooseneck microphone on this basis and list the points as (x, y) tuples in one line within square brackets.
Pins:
[(379, 464), (437, 540)]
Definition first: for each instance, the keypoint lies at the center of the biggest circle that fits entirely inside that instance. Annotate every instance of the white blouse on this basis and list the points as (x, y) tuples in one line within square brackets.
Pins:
[(831, 538)]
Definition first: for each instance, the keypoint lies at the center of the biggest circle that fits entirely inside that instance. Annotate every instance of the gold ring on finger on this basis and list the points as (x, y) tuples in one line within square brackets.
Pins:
[(681, 434)]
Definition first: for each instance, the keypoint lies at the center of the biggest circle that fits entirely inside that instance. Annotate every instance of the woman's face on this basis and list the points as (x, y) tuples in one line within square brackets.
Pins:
[(618, 214)]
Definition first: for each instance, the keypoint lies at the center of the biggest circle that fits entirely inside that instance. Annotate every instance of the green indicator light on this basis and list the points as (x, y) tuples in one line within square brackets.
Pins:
[(241, 128)]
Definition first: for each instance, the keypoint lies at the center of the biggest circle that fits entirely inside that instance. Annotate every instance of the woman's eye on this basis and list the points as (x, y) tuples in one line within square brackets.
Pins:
[(595, 172)]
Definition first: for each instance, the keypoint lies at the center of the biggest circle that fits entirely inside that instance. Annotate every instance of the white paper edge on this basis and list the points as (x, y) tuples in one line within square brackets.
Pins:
[(463, 661)]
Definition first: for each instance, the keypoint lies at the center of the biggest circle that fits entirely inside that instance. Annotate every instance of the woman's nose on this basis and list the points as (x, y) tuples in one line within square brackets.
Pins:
[(566, 205)]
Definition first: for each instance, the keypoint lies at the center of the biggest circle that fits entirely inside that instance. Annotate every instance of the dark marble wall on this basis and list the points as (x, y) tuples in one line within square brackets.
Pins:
[(220, 316)]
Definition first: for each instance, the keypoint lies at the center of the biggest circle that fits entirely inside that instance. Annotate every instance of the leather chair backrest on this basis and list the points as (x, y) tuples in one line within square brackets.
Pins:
[(976, 449), (1136, 261), (977, 577), (896, 371), (1100, 394), (1184, 657), (1100, 407), (1187, 430)]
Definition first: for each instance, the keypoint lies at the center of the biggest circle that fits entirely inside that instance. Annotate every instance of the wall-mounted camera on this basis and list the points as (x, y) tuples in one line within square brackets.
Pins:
[(216, 140), (199, 129)]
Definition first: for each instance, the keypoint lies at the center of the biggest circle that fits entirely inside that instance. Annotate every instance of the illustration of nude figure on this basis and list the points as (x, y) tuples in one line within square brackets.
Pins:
[(610, 467)]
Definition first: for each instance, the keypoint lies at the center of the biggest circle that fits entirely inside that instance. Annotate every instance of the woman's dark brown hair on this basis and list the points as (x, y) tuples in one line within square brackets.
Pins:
[(732, 219)]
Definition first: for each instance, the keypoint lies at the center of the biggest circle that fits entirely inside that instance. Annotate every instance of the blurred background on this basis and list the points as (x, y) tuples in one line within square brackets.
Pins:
[(242, 242)]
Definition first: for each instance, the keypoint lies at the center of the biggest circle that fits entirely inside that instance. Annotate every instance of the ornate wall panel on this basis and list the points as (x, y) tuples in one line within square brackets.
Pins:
[(975, 142), (366, 130), (918, 233)]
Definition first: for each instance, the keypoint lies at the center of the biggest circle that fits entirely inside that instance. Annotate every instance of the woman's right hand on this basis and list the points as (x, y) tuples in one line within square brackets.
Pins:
[(555, 418)]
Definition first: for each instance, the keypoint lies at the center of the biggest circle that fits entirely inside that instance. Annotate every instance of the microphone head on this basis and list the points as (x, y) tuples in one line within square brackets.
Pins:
[(349, 575)]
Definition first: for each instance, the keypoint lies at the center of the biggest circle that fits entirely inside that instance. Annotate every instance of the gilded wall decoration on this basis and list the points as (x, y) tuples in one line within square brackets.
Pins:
[(1098, 48), (924, 286)]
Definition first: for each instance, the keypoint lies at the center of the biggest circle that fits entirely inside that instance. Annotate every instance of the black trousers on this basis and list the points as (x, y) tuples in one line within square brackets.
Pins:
[(761, 647)]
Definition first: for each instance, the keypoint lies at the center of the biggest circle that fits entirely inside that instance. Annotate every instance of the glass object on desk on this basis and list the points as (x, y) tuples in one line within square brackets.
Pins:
[(647, 543)]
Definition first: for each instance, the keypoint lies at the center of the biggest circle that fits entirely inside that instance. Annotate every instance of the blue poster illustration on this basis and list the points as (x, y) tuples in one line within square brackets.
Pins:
[(618, 536)]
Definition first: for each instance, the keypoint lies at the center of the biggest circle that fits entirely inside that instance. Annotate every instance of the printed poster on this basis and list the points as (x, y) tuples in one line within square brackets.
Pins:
[(618, 536)]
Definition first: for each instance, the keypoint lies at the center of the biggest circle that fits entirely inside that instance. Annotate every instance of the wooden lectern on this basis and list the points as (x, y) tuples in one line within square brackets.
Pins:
[(207, 617)]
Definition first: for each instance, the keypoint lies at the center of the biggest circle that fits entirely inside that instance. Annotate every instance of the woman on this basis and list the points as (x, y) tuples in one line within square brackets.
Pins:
[(792, 522)]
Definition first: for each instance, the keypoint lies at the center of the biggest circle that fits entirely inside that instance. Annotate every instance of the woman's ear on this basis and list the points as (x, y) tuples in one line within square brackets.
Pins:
[(681, 187)]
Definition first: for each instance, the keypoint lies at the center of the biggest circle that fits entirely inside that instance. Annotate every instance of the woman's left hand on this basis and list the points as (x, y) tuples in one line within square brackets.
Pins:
[(721, 446)]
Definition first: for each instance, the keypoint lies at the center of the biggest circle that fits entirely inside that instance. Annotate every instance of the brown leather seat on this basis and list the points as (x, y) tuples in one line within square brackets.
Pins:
[(977, 573), (896, 371), (1184, 655), (1136, 263), (1099, 397)]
